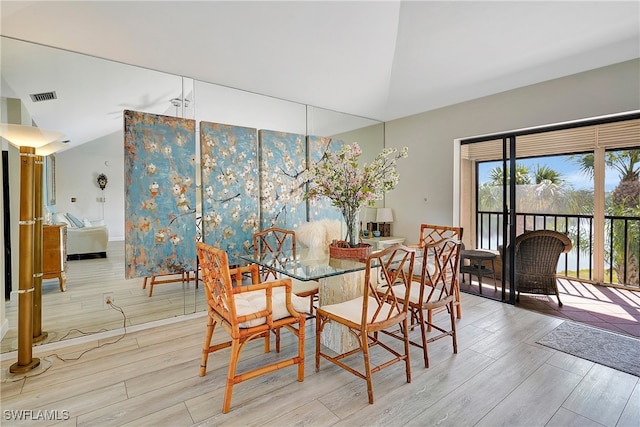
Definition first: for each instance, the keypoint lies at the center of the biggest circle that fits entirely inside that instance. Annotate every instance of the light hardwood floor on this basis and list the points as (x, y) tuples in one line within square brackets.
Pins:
[(499, 377), (79, 310)]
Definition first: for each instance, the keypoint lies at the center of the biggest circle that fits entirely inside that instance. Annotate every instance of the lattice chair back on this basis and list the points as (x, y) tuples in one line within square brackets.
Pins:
[(386, 304), (434, 233), (247, 312), (440, 264), (430, 234), (218, 283), (438, 291), (379, 311), (276, 243)]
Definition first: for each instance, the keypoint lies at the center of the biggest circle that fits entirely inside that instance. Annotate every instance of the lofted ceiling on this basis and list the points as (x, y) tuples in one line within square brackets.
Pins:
[(377, 59)]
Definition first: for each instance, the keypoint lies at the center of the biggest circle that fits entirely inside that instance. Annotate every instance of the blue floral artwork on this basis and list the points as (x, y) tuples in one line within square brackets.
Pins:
[(283, 159), (160, 194), (230, 202), (321, 208)]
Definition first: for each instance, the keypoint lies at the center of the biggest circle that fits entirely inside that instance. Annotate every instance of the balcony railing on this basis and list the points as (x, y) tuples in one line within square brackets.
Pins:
[(622, 244)]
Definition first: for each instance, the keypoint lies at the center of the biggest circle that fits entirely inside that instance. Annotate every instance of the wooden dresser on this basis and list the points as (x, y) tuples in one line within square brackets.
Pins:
[(54, 253)]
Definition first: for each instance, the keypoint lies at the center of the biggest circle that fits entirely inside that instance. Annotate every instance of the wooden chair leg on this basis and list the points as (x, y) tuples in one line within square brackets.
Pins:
[(144, 283), (407, 360), (233, 362), (453, 330), (318, 332), (267, 342), (423, 331), (367, 366), (301, 331), (151, 283), (211, 324)]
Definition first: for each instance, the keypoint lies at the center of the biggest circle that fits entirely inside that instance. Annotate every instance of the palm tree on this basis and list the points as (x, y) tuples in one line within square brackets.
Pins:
[(545, 173), (624, 201), (627, 164), (522, 175)]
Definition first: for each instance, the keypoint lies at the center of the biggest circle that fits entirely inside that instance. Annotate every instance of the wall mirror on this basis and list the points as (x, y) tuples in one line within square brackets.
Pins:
[(89, 97)]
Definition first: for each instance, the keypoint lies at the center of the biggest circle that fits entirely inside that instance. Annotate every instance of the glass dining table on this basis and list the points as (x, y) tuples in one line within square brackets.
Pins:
[(303, 268), (338, 280)]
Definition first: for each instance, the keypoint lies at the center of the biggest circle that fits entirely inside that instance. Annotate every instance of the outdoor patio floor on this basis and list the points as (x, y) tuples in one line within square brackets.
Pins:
[(614, 309)]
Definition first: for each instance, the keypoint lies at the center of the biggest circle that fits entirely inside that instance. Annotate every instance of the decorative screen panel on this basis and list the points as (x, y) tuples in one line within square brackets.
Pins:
[(283, 159), (322, 208), (160, 194), (230, 202)]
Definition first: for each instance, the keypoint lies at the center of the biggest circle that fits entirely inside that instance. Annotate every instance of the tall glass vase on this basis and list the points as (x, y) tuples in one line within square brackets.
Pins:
[(352, 224)]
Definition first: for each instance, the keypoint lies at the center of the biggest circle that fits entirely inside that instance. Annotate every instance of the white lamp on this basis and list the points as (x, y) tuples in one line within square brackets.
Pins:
[(27, 138), (384, 216)]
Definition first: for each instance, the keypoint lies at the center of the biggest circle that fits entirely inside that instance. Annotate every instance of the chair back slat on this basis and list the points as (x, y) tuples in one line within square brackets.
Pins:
[(440, 261), (430, 233), (217, 279), (396, 268), (278, 243)]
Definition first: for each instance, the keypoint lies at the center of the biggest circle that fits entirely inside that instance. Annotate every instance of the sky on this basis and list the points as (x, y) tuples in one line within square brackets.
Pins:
[(569, 169)]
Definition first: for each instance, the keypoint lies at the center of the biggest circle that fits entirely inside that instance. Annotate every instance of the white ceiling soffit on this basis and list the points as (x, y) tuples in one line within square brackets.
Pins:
[(377, 59)]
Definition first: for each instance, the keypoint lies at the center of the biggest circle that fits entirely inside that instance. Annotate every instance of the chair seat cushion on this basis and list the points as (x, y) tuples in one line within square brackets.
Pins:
[(414, 295), (417, 267), (252, 302), (304, 287), (352, 310)]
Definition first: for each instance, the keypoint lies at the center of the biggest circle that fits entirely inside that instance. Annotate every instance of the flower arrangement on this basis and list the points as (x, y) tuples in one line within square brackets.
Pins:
[(337, 176)]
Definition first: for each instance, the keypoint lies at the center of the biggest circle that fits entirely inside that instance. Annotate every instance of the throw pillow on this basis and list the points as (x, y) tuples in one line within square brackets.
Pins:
[(61, 218), (86, 222), (75, 221)]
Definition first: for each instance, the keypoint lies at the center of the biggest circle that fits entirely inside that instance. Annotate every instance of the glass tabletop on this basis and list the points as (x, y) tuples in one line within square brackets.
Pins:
[(305, 268)]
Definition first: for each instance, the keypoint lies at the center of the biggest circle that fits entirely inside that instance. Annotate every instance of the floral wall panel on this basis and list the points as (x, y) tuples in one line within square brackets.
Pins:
[(160, 194), (230, 198), (322, 208), (283, 159)]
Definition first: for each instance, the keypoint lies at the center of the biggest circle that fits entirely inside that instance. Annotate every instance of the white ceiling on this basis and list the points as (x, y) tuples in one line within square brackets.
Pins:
[(378, 59)]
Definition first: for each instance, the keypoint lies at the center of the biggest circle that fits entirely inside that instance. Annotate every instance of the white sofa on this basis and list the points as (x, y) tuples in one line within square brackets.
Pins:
[(88, 241)]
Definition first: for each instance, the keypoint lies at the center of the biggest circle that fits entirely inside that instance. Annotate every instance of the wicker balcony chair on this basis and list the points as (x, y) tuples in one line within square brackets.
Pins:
[(536, 261), (247, 312)]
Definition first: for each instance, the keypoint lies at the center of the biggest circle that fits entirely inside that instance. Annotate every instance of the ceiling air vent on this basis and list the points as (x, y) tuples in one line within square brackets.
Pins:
[(44, 96)]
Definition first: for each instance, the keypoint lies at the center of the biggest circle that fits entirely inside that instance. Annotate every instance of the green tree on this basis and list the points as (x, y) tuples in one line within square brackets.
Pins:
[(624, 201), (544, 173), (496, 175)]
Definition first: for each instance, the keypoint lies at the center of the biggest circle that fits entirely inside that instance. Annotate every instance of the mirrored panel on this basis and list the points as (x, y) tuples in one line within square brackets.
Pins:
[(84, 97)]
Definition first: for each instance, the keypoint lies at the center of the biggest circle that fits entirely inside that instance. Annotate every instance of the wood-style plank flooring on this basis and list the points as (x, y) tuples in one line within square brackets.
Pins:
[(500, 376), (79, 310)]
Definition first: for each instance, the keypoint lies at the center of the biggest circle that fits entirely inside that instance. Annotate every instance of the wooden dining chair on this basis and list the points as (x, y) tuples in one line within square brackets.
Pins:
[(376, 311), (247, 312), (280, 244), (435, 291), (430, 233)]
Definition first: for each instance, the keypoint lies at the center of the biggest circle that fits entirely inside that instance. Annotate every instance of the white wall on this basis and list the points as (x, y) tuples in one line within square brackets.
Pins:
[(428, 171), (76, 172)]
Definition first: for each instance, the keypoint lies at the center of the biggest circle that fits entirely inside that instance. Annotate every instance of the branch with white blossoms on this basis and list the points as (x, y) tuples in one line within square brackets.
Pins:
[(338, 177)]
